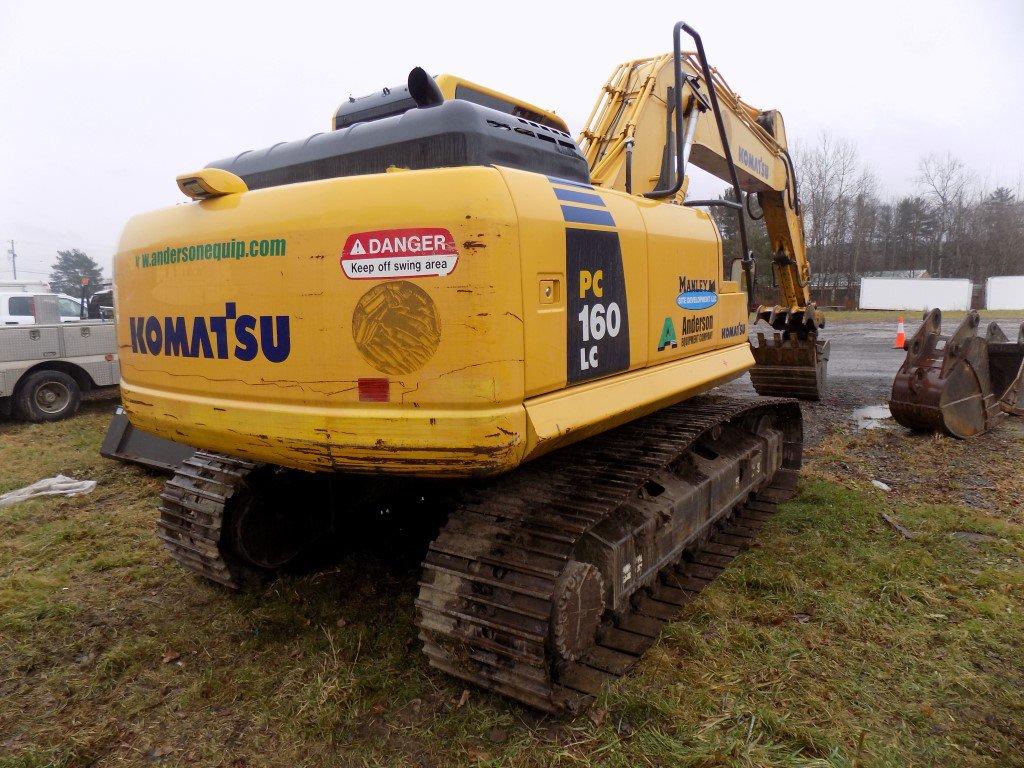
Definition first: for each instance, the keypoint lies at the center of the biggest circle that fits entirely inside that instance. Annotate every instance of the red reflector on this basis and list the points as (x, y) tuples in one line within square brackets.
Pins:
[(108, 357), (374, 390)]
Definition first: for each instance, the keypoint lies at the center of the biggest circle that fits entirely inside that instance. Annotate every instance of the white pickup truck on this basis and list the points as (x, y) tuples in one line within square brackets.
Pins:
[(45, 367)]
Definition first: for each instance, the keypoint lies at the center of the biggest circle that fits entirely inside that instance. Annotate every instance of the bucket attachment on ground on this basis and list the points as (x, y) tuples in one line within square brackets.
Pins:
[(1006, 367), (125, 443), (794, 361), (962, 384)]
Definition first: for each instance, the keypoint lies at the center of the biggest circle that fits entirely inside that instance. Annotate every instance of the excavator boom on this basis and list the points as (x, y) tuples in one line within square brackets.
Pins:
[(655, 116)]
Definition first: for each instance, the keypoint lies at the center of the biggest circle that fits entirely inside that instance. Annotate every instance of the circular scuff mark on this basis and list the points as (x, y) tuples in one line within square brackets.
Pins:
[(396, 327)]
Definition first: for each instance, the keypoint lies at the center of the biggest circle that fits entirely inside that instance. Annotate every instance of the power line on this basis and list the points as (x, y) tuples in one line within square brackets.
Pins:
[(27, 272)]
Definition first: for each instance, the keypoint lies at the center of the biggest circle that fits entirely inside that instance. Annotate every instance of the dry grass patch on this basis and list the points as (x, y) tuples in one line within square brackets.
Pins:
[(836, 642)]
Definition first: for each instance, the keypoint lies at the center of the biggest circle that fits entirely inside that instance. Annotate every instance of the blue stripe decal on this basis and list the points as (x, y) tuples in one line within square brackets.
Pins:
[(587, 216), (567, 182), (572, 196)]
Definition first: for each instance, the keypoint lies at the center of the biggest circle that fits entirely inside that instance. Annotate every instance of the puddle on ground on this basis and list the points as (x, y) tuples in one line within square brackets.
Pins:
[(872, 416)]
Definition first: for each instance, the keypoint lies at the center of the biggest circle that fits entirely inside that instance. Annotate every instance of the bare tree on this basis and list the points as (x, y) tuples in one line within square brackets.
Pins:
[(956, 225), (828, 172), (944, 180)]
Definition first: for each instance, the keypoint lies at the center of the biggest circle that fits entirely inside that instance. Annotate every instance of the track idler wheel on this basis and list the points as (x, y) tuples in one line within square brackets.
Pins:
[(962, 384), (262, 530), (236, 522), (576, 611)]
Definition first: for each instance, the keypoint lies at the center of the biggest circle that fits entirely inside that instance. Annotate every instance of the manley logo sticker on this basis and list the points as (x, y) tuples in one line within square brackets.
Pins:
[(405, 253), (696, 294)]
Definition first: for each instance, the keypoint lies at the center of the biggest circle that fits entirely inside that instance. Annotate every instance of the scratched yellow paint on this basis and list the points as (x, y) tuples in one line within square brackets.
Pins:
[(475, 365)]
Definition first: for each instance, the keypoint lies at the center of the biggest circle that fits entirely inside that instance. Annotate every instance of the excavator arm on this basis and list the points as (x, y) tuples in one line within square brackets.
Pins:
[(657, 115)]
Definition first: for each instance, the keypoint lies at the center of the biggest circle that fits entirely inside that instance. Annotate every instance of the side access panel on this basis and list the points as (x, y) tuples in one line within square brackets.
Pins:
[(584, 281)]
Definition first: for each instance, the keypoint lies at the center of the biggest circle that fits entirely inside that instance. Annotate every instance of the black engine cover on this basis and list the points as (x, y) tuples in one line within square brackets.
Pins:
[(455, 133)]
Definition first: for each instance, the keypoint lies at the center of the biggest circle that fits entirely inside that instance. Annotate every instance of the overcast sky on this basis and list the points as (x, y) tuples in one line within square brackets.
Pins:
[(105, 103)]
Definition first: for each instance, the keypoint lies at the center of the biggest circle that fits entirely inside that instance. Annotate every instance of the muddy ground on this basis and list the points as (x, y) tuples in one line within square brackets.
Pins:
[(861, 368), (850, 435)]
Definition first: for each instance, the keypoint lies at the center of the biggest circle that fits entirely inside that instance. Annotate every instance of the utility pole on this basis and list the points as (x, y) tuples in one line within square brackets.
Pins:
[(14, 260)]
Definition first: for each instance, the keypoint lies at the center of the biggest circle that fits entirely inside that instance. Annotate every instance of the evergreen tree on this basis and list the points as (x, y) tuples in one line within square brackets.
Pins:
[(70, 268)]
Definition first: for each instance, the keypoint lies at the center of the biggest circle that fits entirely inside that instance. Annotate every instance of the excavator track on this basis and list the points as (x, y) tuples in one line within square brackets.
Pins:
[(193, 507), (507, 598)]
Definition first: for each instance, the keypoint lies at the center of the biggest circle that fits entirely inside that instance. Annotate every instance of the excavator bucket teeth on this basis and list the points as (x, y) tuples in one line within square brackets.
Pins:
[(790, 367), (962, 384)]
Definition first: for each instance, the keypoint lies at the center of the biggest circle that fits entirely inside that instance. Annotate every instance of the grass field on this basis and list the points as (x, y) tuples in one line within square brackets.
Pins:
[(836, 642)]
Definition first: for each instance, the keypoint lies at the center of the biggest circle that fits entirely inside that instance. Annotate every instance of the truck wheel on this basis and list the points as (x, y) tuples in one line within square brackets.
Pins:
[(48, 396)]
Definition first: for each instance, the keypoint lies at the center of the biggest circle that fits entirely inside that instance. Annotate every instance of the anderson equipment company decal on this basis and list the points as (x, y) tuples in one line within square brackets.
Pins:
[(404, 253), (692, 330)]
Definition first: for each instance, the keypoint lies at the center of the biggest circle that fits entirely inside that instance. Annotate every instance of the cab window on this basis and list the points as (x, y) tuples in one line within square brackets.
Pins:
[(69, 308), (21, 306)]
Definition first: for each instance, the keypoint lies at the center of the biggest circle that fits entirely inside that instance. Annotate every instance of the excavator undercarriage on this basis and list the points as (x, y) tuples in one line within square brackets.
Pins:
[(552, 581), (963, 384), (549, 582)]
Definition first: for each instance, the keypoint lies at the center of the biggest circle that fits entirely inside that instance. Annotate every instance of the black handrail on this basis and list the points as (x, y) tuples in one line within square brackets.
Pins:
[(717, 201), (747, 258), (678, 93)]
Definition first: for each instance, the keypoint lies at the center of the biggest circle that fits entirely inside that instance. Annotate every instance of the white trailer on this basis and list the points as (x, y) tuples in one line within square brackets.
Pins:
[(1006, 292), (914, 294), (45, 368)]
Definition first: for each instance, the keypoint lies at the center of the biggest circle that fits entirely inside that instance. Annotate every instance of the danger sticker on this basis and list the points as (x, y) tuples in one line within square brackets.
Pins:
[(426, 252)]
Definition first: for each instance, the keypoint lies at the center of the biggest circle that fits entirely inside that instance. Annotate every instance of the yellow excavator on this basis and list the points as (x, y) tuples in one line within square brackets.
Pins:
[(447, 286)]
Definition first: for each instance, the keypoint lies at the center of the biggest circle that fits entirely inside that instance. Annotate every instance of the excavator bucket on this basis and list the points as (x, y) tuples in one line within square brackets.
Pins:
[(962, 384), (1006, 367), (790, 367)]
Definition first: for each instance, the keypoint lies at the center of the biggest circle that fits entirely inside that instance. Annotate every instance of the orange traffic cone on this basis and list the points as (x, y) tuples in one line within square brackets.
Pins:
[(901, 336)]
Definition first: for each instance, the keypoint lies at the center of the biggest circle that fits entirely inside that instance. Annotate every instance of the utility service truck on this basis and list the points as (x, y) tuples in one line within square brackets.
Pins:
[(46, 366)]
